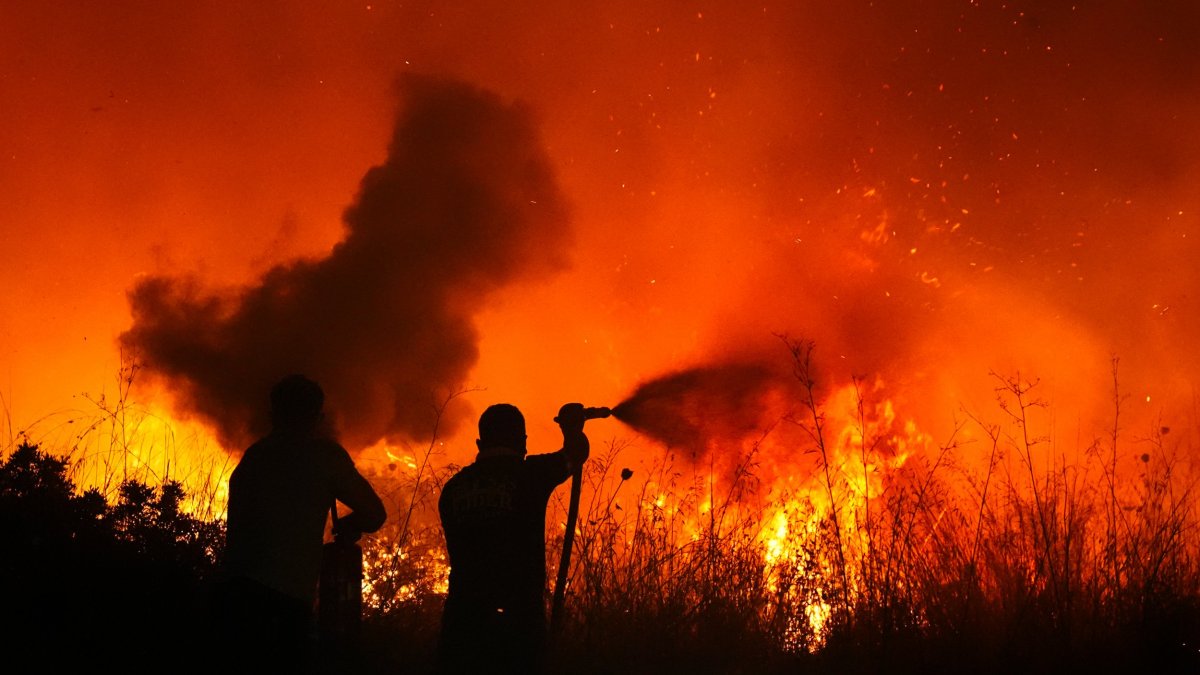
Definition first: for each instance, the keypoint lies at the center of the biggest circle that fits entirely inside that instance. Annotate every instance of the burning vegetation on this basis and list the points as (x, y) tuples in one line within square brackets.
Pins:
[(822, 530), (969, 210), (840, 536)]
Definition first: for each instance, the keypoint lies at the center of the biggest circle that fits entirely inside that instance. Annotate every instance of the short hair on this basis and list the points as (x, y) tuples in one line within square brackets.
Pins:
[(502, 424), (296, 401)]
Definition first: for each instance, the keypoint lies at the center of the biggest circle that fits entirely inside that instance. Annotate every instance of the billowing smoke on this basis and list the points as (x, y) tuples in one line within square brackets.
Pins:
[(692, 409), (465, 203)]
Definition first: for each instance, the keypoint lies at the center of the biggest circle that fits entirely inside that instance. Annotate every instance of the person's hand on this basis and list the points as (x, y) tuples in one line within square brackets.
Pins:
[(571, 418), (575, 443), (345, 531)]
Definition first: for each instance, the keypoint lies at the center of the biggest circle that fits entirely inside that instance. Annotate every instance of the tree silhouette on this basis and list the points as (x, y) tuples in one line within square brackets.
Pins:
[(85, 581)]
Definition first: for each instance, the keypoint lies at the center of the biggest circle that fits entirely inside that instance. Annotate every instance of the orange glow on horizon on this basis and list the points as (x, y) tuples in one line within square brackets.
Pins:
[(932, 199)]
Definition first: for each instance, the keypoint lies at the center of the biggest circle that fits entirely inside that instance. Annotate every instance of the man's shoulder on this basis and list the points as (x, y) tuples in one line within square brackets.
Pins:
[(550, 467), (460, 476), (457, 482), (487, 471), (545, 460), (464, 474)]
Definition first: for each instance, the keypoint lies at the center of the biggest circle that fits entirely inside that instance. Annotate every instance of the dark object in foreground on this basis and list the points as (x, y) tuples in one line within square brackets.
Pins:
[(339, 600), (493, 514), (279, 499), (564, 560)]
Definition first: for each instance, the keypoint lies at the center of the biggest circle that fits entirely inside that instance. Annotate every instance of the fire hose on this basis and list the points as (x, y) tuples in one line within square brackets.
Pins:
[(564, 561)]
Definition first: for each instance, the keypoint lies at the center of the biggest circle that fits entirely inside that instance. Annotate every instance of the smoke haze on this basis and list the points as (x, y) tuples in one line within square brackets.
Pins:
[(929, 191), (464, 203)]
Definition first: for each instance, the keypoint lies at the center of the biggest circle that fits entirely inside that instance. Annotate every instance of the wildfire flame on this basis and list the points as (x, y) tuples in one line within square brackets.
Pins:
[(983, 216)]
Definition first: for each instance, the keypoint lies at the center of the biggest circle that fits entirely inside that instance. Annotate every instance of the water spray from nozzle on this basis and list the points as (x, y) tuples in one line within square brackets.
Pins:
[(690, 409)]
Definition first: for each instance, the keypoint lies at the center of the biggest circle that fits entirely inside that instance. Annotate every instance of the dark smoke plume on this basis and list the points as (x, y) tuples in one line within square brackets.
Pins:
[(465, 203), (691, 409)]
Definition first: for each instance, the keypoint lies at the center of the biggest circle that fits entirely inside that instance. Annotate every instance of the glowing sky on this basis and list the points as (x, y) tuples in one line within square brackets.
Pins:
[(930, 190)]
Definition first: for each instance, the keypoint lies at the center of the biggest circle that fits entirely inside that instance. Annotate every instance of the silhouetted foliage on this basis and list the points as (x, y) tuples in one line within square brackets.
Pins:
[(86, 581)]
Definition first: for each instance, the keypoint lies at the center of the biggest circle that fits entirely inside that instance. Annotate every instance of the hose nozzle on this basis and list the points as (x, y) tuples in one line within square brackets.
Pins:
[(571, 410)]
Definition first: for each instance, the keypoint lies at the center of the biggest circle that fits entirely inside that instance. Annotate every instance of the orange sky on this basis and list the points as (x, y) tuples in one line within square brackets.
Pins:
[(929, 193)]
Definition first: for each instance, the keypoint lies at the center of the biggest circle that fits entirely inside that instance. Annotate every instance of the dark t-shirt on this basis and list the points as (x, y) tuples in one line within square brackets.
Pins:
[(279, 499), (494, 518)]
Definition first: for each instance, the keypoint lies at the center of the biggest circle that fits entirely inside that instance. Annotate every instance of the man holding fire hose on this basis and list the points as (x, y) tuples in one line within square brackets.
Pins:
[(494, 517)]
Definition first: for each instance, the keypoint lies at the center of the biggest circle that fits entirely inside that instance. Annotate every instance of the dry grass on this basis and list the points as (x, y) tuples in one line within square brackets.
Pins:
[(1006, 554)]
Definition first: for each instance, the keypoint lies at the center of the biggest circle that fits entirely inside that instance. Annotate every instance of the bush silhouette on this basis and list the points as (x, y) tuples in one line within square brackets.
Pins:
[(90, 582)]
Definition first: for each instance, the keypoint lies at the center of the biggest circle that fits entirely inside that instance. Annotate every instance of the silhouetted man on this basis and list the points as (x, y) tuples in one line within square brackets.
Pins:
[(494, 518), (280, 496)]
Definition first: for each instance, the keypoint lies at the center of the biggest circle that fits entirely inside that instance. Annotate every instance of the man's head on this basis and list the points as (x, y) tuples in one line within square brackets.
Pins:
[(296, 403), (502, 426)]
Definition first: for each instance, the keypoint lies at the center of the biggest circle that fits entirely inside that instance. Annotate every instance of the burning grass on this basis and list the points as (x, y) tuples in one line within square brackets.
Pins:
[(842, 538), (882, 550), (685, 579)]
